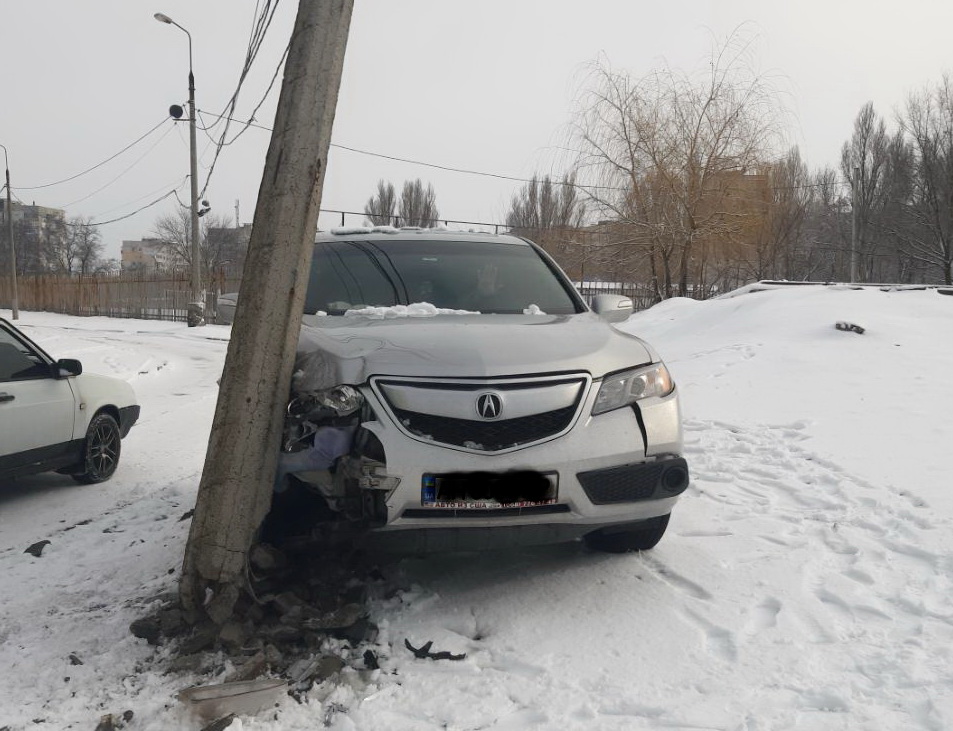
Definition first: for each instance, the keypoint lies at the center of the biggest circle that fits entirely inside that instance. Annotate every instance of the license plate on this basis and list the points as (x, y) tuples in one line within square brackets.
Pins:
[(489, 490)]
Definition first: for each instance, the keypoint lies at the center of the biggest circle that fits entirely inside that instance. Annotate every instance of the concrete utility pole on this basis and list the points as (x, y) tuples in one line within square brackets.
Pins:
[(854, 228), (236, 488), (14, 303), (196, 307)]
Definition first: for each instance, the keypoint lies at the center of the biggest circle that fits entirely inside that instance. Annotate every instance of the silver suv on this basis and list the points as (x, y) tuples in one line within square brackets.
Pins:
[(453, 391)]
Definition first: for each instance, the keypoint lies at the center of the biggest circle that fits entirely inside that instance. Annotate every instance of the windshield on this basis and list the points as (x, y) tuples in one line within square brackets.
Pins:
[(486, 277)]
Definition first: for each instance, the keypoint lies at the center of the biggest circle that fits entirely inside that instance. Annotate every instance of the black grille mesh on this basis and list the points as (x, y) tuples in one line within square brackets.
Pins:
[(621, 484), (491, 436)]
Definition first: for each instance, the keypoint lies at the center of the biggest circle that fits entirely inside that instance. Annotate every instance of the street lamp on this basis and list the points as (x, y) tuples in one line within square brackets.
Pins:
[(196, 312), (14, 304)]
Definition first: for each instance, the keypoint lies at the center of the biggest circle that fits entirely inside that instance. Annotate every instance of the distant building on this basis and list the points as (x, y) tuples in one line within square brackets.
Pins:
[(37, 230), (150, 254), (226, 249)]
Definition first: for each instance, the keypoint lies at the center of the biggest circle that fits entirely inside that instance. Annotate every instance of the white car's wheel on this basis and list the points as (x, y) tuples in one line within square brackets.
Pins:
[(100, 450)]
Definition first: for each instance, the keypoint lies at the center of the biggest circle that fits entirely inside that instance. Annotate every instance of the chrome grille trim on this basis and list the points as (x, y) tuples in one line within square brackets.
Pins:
[(443, 411)]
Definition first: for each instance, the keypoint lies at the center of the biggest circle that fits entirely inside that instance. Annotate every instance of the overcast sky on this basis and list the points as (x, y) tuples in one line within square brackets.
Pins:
[(486, 86)]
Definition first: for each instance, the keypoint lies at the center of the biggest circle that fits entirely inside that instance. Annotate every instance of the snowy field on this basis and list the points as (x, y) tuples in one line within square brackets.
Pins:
[(804, 583)]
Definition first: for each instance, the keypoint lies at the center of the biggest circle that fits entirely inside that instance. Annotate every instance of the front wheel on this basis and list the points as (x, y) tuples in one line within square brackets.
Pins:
[(641, 537), (100, 450)]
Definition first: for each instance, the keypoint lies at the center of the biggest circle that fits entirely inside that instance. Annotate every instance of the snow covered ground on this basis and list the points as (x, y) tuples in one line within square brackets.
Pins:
[(804, 583)]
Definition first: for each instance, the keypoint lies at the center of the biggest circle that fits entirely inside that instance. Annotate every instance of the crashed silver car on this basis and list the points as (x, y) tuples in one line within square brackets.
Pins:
[(453, 391)]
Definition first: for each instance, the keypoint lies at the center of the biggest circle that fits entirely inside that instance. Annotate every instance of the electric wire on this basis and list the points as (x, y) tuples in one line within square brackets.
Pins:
[(500, 176), (136, 162), (94, 167), (264, 15), (130, 215)]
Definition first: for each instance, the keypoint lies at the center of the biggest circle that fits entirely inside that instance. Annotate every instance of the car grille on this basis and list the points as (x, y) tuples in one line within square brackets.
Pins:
[(487, 436), (482, 435)]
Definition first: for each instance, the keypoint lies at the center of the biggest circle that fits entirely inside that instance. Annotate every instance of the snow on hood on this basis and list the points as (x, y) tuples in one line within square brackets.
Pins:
[(334, 350), (417, 309)]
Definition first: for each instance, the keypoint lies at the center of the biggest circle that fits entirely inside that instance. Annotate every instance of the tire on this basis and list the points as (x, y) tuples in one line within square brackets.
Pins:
[(101, 450), (641, 538)]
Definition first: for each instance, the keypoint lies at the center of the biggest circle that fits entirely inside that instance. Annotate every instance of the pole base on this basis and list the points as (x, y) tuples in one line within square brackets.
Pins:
[(195, 314)]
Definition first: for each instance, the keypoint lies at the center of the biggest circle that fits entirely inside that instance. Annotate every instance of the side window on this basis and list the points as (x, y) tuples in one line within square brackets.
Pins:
[(19, 362)]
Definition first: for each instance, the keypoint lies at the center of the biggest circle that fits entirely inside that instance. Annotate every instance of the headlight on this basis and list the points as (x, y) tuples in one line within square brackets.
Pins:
[(622, 389)]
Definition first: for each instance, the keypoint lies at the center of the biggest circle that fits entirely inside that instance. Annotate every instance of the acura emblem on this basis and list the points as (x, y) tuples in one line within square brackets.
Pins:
[(489, 405)]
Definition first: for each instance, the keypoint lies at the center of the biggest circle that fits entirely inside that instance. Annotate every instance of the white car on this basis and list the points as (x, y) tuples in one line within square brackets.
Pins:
[(453, 391), (55, 417)]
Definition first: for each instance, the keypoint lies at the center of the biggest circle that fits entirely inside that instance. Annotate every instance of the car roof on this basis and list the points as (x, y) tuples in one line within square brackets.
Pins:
[(387, 233)]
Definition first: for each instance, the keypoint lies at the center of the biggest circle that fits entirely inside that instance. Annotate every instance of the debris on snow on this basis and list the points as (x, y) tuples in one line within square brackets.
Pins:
[(423, 652), (849, 327), (36, 549)]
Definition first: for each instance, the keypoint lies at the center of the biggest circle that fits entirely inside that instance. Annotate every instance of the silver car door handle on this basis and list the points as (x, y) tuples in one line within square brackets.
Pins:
[(6, 397)]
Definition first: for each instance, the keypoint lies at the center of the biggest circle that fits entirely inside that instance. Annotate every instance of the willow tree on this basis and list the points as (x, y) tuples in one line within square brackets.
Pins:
[(668, 153)]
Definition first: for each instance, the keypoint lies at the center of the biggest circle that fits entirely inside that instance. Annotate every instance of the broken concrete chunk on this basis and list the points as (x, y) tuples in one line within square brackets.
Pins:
[(220, 724), (147, 628), (232, 636), (267, 558), (202, 637), (220, 607), (341, 618), (253, 668)]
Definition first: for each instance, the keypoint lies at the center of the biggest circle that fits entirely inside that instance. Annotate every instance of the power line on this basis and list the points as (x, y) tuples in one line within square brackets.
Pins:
[(138, 210), (500, 176), (264, 15), (136, 162), (97, 165)]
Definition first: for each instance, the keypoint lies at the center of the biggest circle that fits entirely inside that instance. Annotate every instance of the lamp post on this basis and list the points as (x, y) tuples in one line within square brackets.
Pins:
[(196, 312), (14, 303)]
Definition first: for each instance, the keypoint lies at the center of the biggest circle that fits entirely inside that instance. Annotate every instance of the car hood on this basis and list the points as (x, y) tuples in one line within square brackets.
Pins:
[(334, 350)]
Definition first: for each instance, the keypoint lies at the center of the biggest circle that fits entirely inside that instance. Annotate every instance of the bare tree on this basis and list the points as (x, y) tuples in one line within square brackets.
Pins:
[(779, 249), (864, 164), (418, 205), (174, 231), (217, 246), (86, 242), (826, 229), (671, 152), (550, 213), (381, 207), (927, 122)]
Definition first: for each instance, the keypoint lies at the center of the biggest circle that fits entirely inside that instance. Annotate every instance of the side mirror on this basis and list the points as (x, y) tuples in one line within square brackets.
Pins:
[(612, 307), (66, 367)]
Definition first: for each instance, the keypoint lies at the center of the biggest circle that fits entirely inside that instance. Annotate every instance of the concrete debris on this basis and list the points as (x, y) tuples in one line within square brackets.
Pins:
[(147, 628), (220, 724)]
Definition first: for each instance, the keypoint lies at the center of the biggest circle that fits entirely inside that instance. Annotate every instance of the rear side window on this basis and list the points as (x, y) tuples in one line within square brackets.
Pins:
[(465, 275)]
